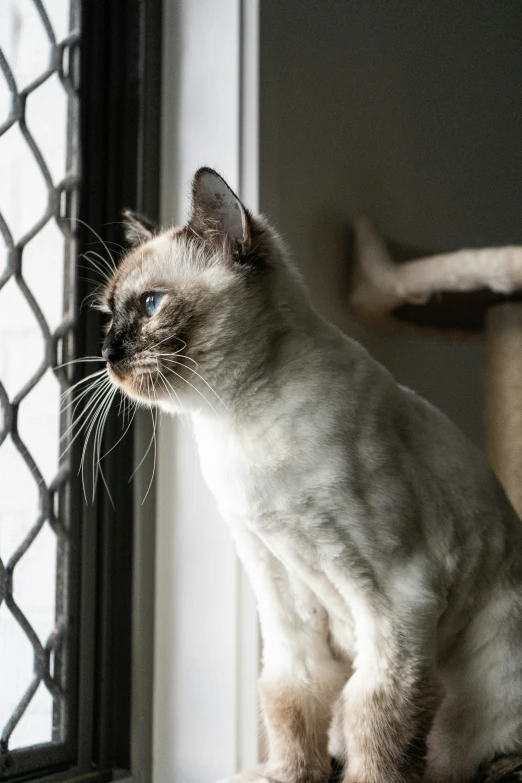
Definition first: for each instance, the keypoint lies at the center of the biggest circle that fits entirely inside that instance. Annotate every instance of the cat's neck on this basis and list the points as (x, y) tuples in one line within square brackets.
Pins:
[(286, 366), (278, 351)]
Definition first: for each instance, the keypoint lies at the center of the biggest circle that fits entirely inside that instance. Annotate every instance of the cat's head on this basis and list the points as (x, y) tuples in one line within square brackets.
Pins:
[(191, 308)]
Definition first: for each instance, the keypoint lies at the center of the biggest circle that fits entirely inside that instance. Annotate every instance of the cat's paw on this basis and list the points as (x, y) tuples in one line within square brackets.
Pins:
[(254, 776), (263, 774)]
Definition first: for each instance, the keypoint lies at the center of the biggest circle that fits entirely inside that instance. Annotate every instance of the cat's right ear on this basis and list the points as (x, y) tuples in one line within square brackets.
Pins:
[(138, 229), (217, 213)]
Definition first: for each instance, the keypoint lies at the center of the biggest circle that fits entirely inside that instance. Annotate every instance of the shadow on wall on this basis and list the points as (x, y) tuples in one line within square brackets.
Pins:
[(410, 112)]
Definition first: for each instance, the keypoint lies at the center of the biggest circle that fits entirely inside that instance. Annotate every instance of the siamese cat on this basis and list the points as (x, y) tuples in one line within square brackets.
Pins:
[(385, 557)]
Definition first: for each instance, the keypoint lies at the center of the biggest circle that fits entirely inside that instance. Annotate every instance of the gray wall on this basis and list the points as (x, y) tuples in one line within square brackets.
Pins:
[(411, 110)]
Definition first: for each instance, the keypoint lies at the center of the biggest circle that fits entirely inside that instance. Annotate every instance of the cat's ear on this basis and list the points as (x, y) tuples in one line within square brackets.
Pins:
[(217, 213), (138, 229)]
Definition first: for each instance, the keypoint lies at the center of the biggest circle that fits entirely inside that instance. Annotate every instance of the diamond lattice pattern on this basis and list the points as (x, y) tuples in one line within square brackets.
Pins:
[(38, 197)]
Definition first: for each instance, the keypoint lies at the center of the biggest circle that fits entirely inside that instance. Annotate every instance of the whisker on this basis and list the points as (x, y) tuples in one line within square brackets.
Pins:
[(92, 300), (154, 416), (142, 460), (98, 471), (95, 446), (94, 419), (102, 474), (131, 406), (131, 419), (111, 241), (201, 377), (93, 390), (90, 415), (99, 284), (91, 405), (169, 337), (168, 385), (104, 272), (79, 361), (76, 400), (71, 389), (179, 355), (102, 260), (97, 383), (193, 387), (97, 443), (77, 219)]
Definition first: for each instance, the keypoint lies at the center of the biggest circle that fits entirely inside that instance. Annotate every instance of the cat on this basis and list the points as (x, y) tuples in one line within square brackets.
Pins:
[(385, 557)]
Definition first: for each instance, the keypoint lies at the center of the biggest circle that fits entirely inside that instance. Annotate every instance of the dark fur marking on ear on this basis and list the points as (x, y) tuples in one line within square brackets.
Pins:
[(219, 217), (217, 213)]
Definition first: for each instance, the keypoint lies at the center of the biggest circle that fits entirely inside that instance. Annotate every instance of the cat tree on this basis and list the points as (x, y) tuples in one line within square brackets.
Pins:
[(467, 292)]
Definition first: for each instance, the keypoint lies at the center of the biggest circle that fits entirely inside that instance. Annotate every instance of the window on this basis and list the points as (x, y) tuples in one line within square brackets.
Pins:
[(76, 147), (38, 204)]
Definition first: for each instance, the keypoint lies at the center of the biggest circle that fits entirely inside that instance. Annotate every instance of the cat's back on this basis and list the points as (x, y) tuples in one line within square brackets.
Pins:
[(332, 429)]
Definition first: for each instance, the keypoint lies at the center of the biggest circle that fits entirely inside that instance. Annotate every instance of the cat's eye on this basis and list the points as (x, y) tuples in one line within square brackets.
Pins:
[(151, 302)]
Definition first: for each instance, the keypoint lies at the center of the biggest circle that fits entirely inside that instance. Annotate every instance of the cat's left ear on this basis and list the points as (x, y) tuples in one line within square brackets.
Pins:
[(217, 213), (138, 229)]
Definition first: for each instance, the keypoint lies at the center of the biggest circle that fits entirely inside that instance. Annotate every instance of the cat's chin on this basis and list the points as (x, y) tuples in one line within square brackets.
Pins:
[(127, 384), (133, 389), (119, 379)]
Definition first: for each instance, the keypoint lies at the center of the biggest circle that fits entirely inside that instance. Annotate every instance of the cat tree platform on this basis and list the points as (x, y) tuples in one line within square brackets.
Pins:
[(467, 292)]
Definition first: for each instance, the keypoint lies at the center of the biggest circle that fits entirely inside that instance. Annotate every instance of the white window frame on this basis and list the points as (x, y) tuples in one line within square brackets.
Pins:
[(206, 640)]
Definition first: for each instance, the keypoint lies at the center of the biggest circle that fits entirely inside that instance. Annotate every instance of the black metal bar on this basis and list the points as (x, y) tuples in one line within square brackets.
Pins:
[(127, 86), (14, 761)]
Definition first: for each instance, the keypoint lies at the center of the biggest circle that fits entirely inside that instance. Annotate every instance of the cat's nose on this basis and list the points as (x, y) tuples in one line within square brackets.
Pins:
[(112, 350)]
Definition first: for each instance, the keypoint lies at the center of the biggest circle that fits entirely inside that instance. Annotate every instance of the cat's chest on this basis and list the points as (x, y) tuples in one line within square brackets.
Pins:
[(250, 475), (260, 485)]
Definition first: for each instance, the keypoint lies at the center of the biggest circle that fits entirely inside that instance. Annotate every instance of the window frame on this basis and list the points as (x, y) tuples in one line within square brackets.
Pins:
[(201, 671), (121, 72)]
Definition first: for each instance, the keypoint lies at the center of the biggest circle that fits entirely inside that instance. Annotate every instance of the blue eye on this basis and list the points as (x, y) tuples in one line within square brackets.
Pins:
[(151, 303)]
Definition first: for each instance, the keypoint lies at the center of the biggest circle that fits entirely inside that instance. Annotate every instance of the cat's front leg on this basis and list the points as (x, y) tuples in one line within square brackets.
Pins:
[(301, 679), (390, 702)]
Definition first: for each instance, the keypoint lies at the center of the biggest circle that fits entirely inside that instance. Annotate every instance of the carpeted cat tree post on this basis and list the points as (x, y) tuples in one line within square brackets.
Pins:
[(468, 291)]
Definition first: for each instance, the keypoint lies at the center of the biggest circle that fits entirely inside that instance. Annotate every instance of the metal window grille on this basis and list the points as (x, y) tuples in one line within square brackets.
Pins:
[(106, 76), (41, 124)]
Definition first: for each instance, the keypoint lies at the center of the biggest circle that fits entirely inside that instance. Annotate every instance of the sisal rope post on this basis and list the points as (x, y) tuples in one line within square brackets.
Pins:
[(420, 291), (504, 396)]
